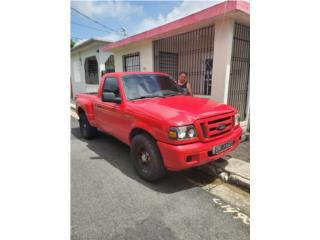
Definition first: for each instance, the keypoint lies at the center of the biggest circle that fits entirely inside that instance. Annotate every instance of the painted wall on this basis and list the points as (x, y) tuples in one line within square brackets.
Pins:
[(77, 67), (146, 56), (222, 59)]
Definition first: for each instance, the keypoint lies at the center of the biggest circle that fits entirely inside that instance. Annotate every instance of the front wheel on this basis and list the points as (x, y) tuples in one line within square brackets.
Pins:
[(146, 158), (87, 131)]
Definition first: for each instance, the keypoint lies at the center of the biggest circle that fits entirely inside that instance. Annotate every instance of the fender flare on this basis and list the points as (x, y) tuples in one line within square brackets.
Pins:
[(143, 126), (87, 107)]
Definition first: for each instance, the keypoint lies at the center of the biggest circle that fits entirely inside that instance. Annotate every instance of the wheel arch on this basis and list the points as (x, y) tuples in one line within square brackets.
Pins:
[(86, 107), (140, 130), (80, 110)]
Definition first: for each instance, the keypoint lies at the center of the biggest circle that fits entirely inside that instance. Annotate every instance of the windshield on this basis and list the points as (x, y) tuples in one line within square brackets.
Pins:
[(138, 86)]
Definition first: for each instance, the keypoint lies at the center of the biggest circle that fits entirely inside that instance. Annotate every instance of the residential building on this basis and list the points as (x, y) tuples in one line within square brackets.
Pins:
[(212, 46), (88, 63)]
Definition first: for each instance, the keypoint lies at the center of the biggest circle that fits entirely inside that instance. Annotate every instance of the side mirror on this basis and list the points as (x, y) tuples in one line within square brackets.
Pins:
[(110, 97)]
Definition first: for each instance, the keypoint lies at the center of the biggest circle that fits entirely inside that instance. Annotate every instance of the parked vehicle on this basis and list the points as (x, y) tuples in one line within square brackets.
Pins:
[(165, 129)]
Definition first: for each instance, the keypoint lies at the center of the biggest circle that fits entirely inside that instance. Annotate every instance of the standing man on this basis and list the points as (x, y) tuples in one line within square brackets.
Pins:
[(184, 84)]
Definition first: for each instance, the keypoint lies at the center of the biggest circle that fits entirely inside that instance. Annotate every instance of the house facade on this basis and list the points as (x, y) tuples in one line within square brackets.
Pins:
[(212, 46), (88, 63)]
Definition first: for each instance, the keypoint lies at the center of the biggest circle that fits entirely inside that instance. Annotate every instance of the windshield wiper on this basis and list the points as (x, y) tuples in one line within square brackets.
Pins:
[(172, 94), (146, 96)]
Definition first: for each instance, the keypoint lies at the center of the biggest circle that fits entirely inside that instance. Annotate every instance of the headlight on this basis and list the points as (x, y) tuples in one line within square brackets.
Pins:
[(184, 132), (236, 119)]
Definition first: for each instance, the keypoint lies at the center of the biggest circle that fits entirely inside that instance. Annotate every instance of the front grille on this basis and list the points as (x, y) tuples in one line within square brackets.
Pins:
[(216, 126)]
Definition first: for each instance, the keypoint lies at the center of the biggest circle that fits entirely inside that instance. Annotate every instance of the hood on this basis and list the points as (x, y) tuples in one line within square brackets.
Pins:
[(179, 110)]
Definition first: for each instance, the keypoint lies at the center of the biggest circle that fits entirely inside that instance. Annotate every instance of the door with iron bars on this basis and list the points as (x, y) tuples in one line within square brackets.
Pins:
[(191, 52), (168, 63), (208, 76), (240, 68)]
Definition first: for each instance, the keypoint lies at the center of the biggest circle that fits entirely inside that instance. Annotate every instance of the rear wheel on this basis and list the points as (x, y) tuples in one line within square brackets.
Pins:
[(146, 158), (87, 131)]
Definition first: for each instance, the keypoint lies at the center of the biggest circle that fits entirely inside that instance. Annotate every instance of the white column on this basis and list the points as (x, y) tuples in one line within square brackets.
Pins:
[(102, 57), (222, 60)]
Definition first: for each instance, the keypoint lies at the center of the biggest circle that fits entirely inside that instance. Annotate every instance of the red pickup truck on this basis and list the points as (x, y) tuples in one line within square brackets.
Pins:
[(165, 129)]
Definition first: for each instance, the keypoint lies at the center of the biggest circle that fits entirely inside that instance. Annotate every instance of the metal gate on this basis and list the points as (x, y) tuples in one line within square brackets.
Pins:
[(191, 52), (240, 69)]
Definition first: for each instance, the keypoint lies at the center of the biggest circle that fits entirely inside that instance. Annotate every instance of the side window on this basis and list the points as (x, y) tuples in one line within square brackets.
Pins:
[(111, 85)]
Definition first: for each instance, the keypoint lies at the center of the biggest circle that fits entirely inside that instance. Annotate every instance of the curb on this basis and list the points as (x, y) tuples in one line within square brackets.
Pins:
[(73, 106), (233, 171), (73, 111)]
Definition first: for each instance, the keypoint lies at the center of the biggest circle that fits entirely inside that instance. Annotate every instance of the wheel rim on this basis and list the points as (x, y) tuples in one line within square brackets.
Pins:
[(144, 160)]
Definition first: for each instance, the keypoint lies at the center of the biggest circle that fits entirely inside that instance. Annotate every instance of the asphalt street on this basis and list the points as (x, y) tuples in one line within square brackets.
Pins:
[(109, 200)]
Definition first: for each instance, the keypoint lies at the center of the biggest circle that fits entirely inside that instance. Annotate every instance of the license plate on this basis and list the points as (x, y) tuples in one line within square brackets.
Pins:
[(220, 148)]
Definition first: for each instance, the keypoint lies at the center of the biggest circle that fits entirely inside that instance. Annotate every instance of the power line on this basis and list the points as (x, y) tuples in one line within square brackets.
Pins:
[(95, 21), (77, 38), (85, 26)]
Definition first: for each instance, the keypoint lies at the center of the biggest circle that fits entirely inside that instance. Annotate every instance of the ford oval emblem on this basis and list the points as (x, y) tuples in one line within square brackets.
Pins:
[(221, 127)]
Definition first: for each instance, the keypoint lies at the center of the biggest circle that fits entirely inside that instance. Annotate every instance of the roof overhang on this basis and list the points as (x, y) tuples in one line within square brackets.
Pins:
[(237, 10), (88, 43)]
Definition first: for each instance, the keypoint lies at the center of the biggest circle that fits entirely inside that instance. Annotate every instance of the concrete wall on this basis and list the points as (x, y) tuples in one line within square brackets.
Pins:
[(146, 56), (77, 67)]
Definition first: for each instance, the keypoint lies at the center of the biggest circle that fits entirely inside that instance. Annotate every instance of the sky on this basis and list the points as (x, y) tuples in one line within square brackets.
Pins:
[(133, 16)]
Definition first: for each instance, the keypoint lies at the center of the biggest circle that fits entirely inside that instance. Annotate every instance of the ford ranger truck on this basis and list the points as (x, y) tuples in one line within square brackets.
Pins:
[(165, 129)]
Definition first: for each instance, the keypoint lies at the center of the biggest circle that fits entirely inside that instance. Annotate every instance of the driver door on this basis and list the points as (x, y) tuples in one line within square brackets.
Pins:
[(108, 114)]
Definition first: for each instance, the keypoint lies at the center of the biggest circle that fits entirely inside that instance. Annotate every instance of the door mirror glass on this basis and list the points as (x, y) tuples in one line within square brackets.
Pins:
[(110, 91), (110, 97)]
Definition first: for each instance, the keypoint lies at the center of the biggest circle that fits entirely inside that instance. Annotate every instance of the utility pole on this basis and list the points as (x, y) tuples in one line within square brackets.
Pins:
[(123, 31)]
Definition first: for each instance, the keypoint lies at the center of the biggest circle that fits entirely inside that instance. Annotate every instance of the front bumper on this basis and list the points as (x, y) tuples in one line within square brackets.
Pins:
[(179, 157)]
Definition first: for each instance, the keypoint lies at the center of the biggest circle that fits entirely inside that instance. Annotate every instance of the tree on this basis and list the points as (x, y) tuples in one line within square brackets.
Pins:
[(72, 43)]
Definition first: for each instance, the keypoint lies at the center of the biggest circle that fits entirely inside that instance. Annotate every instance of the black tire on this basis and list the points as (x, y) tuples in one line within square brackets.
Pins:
[(146, 158), (87, 131)]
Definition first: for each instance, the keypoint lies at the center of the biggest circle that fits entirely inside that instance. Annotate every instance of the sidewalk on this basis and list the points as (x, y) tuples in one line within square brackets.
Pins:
[(242, 151)]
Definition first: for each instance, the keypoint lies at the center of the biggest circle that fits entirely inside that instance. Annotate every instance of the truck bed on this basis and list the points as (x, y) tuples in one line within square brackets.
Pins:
[(89, 95)]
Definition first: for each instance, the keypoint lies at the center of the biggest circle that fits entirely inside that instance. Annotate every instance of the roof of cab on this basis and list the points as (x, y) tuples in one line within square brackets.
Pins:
[(133, 73)]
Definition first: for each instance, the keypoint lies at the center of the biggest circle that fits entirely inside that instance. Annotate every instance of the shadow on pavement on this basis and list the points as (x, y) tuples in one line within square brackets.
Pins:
[(117, 153)]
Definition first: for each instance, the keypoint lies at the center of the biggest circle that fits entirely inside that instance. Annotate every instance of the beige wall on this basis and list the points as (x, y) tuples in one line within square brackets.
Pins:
[(146, 56)]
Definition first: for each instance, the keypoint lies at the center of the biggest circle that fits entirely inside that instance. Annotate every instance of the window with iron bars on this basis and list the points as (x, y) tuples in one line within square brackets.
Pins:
[(91, 70), (131, 62)]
